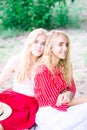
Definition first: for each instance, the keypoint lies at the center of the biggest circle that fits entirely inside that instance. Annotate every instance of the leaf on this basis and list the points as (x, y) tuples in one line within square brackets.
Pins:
[(72, 1)]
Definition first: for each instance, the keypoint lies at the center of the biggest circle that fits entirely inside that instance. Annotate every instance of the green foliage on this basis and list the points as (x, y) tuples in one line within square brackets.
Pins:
[(39, 13), (59, 15), (15, 13), (72, 1), (65, 15), (30, 14), (74, 14)]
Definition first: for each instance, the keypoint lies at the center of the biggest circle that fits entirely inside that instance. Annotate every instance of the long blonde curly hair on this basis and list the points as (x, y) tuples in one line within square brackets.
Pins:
[(48, 58), (25, 61)]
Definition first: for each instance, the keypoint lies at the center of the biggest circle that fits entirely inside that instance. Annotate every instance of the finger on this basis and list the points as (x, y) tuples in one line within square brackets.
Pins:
[(60, 97)]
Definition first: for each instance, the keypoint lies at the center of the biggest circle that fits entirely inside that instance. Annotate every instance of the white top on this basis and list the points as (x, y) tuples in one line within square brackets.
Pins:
[(26, 88)]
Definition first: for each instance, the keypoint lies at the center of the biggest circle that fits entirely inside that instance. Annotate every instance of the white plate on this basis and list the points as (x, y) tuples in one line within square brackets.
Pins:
[(6, 111)]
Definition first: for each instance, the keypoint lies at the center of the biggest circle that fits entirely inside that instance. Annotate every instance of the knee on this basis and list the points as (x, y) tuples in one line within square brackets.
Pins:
[(1, 127)]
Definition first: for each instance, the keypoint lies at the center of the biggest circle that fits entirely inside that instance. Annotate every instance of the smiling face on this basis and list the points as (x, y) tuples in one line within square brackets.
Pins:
[(37, 47), (60, 48)]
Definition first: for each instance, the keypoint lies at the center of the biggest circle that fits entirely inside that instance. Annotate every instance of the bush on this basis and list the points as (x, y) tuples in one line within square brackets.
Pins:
[(26, 14), (15, 13), (59, 15), (65, 15), (30, 14)]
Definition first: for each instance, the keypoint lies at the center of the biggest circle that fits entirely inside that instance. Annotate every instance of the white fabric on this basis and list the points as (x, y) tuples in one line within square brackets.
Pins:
[(26, 88), (48, 118), (82, 125)]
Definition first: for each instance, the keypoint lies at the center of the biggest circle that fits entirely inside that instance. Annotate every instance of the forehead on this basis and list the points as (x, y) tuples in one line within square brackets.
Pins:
[(61, 39), (41, 37)]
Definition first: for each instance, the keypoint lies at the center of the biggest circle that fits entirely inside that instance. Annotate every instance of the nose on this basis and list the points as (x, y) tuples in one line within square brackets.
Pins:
[(39, 44), (64, 47)]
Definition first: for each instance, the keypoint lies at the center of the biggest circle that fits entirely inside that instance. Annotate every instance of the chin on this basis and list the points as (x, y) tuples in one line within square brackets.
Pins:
[(37, 55), (62, 58)]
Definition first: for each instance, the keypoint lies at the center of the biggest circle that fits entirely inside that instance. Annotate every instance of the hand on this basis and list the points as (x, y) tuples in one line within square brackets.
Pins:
[(64, 97)]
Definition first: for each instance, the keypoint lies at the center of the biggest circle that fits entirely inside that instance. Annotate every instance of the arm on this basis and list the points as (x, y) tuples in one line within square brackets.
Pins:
[(8, 70), (64, 97), (45, 86), (47, 89), (68, 95), (78, 100)]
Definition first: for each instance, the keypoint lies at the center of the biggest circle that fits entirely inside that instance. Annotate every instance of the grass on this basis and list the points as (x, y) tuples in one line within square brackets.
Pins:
[(6, 33)]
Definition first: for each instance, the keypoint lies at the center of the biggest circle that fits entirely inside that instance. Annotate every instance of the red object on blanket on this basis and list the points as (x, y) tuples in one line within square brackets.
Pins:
[(23, 107)]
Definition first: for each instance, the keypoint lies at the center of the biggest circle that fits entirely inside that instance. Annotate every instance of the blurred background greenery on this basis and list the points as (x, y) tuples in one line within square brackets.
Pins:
[(22, 15)]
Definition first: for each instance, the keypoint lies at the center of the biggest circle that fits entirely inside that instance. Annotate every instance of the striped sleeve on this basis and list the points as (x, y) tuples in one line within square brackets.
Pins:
[(44, 84), (45, 89), (72, 88)]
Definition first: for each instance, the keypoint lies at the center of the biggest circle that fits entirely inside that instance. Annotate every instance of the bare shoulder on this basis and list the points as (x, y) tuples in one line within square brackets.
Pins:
[(15, 59), (13, 62)]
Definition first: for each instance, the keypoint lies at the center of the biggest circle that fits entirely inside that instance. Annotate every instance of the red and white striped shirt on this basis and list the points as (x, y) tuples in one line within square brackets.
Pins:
[(48, 87)]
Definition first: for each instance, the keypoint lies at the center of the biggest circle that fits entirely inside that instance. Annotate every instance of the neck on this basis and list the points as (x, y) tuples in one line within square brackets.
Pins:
[(55, 61), (34, 60)]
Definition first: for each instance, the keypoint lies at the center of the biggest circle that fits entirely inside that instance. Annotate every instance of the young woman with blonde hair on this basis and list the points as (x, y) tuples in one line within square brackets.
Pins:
[(21, 97), (53, 78)]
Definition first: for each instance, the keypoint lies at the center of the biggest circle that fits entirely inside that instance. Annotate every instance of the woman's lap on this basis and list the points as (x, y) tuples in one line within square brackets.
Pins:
[(55, 119), (23, 110)]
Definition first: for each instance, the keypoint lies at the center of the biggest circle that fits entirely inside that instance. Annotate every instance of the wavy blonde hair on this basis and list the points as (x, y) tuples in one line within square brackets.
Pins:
[(25, 61), (48, 58)]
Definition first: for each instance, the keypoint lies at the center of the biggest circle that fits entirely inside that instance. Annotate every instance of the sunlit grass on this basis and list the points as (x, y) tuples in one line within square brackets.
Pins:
[(6, 33)]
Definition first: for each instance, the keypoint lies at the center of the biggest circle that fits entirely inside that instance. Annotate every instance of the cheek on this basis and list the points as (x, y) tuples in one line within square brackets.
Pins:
[(43, 47), (32, 47), (67, 51), (56, 50)]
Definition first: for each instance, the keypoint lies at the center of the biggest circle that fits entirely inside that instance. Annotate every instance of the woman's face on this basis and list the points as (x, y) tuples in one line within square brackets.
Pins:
[(60, 48), (37, 47)]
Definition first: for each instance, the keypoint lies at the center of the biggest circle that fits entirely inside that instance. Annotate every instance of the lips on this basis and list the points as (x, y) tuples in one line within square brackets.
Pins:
[(63, 53), (38, 50)]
